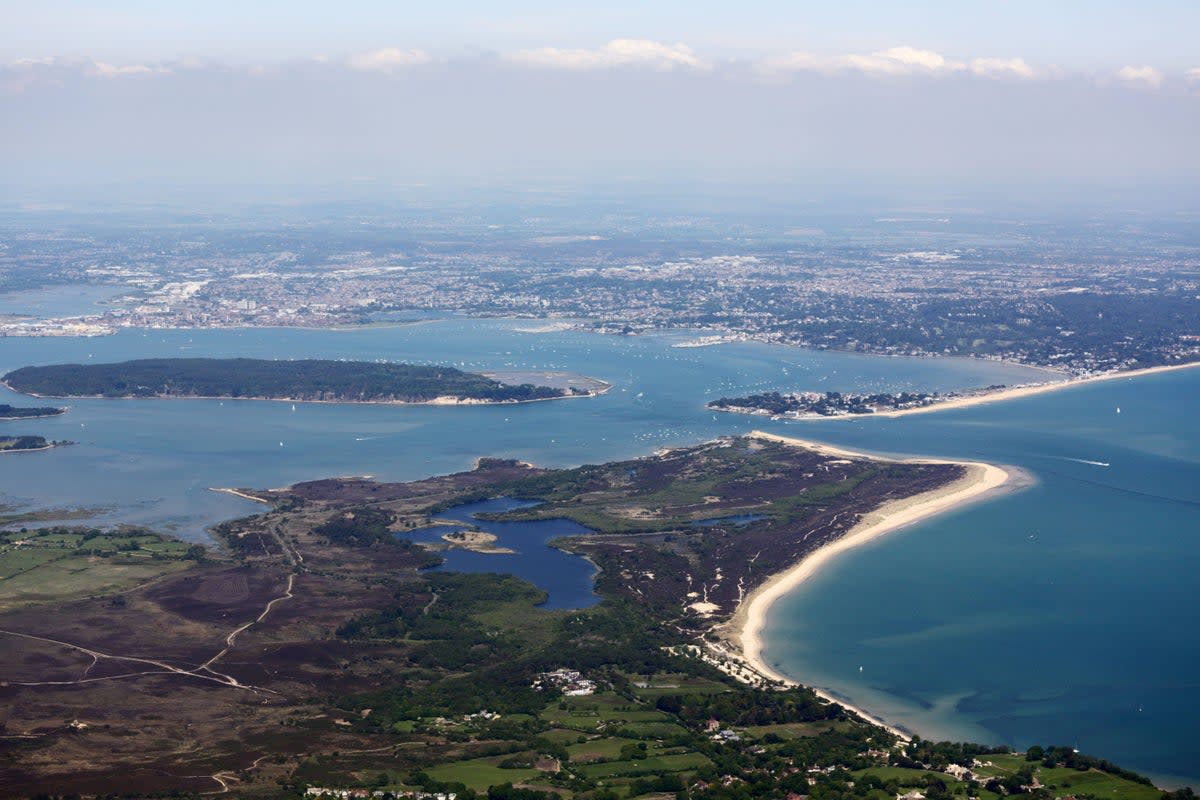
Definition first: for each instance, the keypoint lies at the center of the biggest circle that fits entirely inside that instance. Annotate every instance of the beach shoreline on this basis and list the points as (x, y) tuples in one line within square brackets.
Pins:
[(32, 449), (743, 631), (239, 493), (983, 398), (1033, 389)]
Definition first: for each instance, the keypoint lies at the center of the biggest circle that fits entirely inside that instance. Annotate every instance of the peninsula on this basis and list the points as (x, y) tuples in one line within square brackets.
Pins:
[(306, 380), (313, 653), (826, 405), (835, 404), (18, 412)]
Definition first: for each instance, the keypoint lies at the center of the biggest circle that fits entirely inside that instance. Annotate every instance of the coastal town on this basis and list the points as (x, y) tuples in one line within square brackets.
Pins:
[(1034, 303)]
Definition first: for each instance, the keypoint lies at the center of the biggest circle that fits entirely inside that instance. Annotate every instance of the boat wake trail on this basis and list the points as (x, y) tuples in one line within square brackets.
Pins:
[(1083, 461)]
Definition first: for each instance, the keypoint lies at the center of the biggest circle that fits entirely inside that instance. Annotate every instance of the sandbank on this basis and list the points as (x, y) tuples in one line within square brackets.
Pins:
[(744, 629), (476, 542), (241, 494)]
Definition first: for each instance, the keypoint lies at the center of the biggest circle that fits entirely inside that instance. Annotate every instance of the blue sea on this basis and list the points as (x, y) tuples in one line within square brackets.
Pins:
[(1061, 614)]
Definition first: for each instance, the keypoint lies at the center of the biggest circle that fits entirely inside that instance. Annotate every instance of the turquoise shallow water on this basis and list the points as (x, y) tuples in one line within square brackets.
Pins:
[(1061, 614)]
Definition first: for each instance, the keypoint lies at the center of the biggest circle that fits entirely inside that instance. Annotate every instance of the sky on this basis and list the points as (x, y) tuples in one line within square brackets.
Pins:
[(1001, 93)]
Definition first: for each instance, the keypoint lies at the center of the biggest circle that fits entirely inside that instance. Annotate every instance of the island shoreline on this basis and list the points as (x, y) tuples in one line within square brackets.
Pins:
[(41, 449), (446, 400), (743, 631)]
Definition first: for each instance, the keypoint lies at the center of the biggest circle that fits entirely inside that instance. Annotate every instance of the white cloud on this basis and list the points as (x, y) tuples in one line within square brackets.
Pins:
[(388, 59), (796, 61), (872, 65), (1002, 68), (617, 53), (100, 69), (29, 63), (1145, 75), (914, 57), (902, 60), (1193, 75)]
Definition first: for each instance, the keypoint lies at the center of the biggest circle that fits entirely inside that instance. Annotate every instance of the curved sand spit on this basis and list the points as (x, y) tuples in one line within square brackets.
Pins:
[(745, 628), (1018, 391)]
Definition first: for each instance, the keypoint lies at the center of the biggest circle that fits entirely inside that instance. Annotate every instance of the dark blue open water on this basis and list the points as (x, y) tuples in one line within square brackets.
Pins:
[(566, 578)]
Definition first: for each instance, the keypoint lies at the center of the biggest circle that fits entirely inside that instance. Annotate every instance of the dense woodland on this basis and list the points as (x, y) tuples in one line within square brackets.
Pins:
[(308, 379)]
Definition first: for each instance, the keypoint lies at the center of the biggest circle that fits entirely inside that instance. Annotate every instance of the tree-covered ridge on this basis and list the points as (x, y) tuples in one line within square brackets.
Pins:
[(18, 412), (307, 379)]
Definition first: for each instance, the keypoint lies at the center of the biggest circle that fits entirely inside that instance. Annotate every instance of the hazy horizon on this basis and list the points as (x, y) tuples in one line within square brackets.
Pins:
[(1067, 101)]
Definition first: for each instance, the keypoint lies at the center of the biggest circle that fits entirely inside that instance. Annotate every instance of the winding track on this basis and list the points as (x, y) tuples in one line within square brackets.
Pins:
[(163, 667)]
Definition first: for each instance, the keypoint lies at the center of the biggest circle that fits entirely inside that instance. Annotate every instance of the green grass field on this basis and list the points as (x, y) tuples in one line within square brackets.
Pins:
[(46, 564), (794, 730), (651, 730), (652, 764), (604, 749), (908, 777), (600, 710), (1059, 781), (1063, 780), (480, 773), (673, 683)]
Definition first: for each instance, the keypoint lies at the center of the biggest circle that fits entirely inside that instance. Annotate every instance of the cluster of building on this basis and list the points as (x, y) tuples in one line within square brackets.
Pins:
[(845, 294), (719, 734), (356, 794), (568, 681)]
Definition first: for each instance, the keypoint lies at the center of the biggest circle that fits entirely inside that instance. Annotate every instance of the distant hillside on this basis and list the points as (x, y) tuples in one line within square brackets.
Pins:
[(304, 380)]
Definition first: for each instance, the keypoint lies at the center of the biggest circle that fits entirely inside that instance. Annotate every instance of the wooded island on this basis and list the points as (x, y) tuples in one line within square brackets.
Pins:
[(18, 412), (262, 379)]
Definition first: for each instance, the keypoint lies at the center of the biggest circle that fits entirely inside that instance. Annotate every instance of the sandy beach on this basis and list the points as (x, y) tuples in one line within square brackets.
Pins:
[(1016, 392), (236, 493), (745, 628)]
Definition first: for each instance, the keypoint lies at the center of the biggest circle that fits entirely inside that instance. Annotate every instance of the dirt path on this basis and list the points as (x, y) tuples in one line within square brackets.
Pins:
[(232, 637), (163, 667)]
